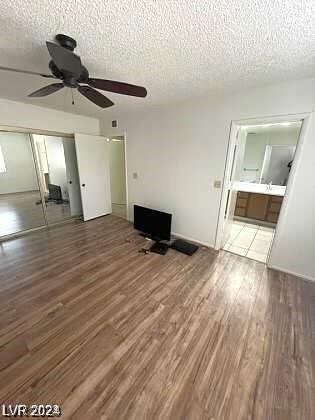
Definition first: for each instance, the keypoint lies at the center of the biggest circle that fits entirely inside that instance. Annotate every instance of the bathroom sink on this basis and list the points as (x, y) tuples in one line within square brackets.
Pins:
[(259, 188)]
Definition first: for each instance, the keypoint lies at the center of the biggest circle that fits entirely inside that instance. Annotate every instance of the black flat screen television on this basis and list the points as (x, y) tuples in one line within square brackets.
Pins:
[(154, 224)]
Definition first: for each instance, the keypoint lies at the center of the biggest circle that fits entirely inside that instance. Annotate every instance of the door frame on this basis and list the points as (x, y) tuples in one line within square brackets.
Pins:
[(35, 131), (124, 135), (235, 124)]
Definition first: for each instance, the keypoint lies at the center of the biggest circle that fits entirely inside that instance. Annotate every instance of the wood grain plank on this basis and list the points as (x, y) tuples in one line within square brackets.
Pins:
[(91, 324)]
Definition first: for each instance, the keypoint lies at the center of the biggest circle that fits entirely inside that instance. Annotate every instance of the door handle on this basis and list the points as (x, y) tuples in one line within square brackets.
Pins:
[(83, 185)]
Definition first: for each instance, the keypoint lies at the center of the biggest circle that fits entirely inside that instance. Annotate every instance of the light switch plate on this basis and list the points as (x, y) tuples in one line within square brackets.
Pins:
[(217, 183)]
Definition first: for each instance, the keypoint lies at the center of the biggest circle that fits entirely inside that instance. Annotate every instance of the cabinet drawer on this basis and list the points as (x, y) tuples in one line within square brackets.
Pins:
[(240, 211), (241, 202), (241, 194), (272, 217), (276, 199), (274, 207)]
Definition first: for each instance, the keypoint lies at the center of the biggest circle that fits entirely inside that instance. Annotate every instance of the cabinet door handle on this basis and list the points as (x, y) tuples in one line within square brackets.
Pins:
[(70, 182), (83, 185)]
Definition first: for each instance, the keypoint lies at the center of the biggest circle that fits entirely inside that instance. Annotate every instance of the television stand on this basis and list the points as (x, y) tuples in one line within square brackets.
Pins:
[(159, 248)]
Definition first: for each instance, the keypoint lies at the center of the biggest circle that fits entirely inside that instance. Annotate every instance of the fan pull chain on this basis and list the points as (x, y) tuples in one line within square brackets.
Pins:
[(72, 96)]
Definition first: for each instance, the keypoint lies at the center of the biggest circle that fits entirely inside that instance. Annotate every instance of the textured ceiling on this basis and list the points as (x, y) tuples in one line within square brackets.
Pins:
[(176, 48)]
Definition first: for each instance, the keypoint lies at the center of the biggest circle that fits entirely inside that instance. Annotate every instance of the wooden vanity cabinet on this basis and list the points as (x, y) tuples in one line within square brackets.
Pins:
[(274, 206), (241, 204), (257, 206)]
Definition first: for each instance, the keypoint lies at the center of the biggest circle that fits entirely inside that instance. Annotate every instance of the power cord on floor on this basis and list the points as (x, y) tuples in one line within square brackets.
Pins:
[(144, 251)]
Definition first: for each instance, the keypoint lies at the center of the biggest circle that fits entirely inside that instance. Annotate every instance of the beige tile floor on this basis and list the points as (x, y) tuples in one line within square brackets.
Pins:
[(249, 240)]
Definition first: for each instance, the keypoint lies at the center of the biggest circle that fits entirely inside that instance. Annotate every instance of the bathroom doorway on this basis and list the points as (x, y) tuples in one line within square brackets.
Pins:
[(117, 166), (259, 166)]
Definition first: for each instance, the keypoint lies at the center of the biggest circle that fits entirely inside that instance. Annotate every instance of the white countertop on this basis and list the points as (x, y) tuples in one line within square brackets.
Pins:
[(259, 188)]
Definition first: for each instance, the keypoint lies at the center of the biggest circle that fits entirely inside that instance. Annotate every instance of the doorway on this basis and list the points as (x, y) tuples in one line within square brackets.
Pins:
[(259, 166), (117, 165)]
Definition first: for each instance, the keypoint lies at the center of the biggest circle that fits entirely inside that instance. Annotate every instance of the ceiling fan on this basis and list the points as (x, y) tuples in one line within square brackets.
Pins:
[(66, 66)]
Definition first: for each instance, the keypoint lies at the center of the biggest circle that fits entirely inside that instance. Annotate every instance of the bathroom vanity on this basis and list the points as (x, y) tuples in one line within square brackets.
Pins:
[(258, 201)]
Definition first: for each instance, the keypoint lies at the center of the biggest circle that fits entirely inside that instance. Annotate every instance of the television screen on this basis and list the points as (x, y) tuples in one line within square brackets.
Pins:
[(155, 224)]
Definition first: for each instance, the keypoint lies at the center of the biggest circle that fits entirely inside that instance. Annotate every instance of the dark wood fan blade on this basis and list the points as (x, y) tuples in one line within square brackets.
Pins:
[(118, 87), (27, 72), (47, 90), (65, 59), (96, 97)]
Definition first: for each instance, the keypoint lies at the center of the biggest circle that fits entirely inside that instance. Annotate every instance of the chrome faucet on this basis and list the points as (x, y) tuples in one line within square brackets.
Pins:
[(269, 186)]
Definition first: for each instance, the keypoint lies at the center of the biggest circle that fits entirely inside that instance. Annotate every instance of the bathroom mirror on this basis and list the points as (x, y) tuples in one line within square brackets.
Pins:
[(268, 153)]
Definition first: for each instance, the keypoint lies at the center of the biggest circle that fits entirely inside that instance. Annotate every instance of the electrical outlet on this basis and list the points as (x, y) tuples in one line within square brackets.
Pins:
[(217, 183)]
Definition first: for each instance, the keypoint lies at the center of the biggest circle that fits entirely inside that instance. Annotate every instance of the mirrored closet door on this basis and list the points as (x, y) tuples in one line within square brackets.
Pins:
[(20, 197), (39, 181), (58, 175)]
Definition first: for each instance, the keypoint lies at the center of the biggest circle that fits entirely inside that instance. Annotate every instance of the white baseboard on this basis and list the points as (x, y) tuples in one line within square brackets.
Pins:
[(206, 244), (293, 273), (188, 238)]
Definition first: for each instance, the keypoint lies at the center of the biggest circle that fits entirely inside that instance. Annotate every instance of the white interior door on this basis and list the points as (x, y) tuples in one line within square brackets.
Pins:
[(93, 164), (234, 169), (72, 177)]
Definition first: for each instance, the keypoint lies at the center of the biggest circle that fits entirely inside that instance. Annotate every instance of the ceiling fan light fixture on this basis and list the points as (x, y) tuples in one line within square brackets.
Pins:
[(67, 67)]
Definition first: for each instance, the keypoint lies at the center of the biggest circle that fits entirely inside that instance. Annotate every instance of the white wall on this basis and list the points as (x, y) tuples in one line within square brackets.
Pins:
[(117, 171), (20, 172), (18, 114), (179, 150)]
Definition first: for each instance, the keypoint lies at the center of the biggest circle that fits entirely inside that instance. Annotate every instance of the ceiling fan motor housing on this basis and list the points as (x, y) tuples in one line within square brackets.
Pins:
[(68, 79), (66, 41), (54, 69)]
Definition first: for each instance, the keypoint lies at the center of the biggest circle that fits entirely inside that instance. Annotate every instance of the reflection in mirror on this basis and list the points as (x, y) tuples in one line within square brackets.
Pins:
[(268, 153), (277, 164), (58, 173), (20, 201)]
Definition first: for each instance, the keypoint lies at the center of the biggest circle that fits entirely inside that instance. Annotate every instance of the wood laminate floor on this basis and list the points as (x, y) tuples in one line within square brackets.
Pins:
[(89, 323), (23, 211)]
